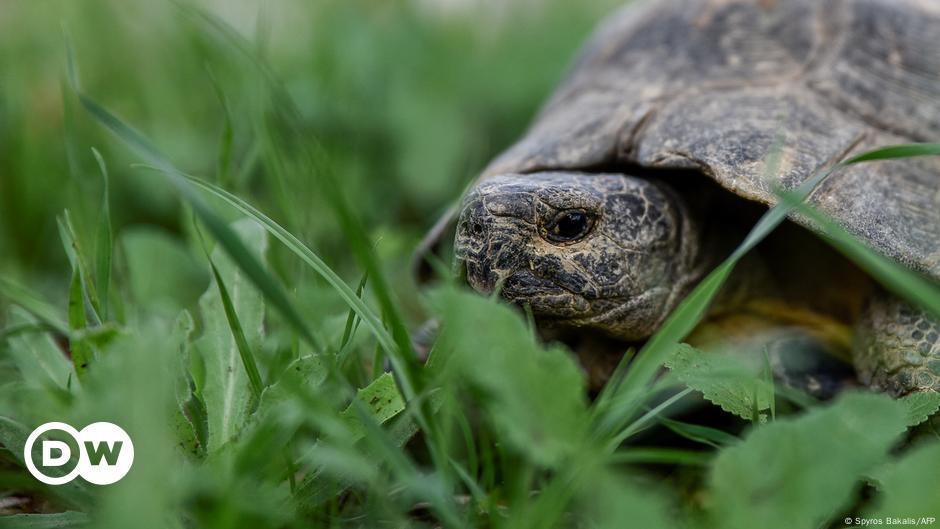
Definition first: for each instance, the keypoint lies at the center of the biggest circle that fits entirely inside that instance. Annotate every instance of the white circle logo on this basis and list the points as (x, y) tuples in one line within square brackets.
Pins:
[(105, 453)]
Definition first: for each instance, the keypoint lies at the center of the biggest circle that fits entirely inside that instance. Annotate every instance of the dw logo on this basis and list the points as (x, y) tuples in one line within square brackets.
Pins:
[(105, 453)]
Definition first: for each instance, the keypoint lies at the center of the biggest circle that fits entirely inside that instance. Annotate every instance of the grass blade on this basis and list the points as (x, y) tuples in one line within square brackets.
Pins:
[(77, 258), (230, 396), (244, 350), (219, 229), (701, 434), (224, 162), (895, 277), (311, 159), (640, 423), (665, 456), (301, 250), (81, 351), (895, 152), (105, 239), (625, 398), (402, 357), (352, 325), (351, 317)]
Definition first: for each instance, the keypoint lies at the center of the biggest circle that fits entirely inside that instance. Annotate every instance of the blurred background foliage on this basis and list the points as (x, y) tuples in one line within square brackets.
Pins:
[(410, 100)]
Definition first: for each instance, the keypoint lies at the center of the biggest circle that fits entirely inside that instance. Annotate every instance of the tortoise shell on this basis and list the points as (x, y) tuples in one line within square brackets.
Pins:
[(719, 85)]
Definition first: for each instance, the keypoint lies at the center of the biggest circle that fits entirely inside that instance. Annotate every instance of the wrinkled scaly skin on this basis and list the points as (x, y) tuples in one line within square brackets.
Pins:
[(717, 86), (898, 347), (623, 277)]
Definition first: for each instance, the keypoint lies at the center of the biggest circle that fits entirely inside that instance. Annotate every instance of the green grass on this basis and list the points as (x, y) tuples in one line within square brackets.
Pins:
[(217, 220)]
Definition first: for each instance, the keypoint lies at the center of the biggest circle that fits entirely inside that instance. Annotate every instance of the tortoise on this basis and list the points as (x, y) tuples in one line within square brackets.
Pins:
[(641, 170)]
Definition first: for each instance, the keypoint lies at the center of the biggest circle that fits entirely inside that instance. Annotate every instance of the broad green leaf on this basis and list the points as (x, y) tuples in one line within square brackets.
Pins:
[(14, 293), (798, 472), (345, 464), (381, 398), (535, 396), (308, 371), (379, 402), (180, 337), (430, 488), (920, 406), (909, 487), (132, 386), (724, 380), (23, 328), (39, 359), (163, 275), (192, 424), (227, 393), (610, 502), (60, 520), (13, 435)]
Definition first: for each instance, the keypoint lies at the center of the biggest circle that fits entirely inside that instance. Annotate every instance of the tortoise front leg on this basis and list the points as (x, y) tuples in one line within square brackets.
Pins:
[(897, 347)]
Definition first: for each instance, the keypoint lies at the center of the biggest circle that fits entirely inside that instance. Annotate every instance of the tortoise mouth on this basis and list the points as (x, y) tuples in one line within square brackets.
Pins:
[(522, 287)]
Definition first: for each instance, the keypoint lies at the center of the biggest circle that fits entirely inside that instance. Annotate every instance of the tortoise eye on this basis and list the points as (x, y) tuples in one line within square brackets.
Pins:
[(569, 226)]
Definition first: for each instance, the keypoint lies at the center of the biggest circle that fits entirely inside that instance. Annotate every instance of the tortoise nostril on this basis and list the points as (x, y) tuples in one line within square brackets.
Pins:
[(477, 228)]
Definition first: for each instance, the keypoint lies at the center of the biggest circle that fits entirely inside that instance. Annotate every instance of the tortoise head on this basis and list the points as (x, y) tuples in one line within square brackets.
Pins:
[(603, 251)]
